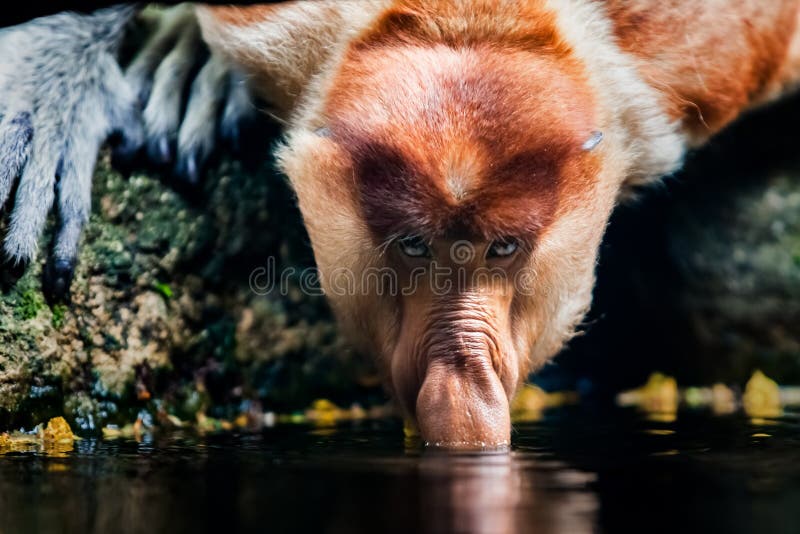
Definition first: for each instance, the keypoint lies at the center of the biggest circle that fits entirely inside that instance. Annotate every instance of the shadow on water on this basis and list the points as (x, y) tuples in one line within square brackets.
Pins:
[(578, 470)]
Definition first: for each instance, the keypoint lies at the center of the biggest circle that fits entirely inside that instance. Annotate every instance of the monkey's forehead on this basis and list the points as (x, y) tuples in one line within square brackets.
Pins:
[(439, 91), (477, 138)]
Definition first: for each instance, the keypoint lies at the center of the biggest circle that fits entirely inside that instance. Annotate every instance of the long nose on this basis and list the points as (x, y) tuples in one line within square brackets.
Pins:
[(463, 407)]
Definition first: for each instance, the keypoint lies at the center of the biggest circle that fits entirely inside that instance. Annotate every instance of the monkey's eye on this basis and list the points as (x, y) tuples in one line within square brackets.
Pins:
[(414, 247), (502, 248)]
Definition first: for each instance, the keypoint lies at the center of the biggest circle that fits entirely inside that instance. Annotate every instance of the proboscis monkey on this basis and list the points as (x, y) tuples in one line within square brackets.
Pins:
[(468, 152)]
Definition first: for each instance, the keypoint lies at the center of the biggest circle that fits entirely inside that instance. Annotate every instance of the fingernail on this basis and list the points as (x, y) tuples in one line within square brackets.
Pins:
[(234, 138), (59, 278), (11, 271), (191, 170), (163, 148)]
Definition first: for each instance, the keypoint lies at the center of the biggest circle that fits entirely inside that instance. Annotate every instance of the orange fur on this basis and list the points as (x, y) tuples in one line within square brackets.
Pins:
[(244, 15), (465, 120), (436, 122), (711, 59)]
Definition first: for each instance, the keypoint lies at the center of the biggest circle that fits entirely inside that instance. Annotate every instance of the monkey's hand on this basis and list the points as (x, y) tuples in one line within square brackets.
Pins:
[(182, 127), (62, 94)]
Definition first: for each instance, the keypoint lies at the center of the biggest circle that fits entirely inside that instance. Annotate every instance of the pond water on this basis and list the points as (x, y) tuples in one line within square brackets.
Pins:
[(576, 470)]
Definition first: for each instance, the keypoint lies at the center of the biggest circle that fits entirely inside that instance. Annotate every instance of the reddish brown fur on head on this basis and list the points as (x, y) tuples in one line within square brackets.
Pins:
[(445, 127), (460, 138), (712, 69)]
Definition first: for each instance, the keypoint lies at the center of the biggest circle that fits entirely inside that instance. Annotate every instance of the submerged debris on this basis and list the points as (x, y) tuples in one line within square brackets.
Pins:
[(531, 401), (54, 439), (762, 397), (658, 395), (322, 413)]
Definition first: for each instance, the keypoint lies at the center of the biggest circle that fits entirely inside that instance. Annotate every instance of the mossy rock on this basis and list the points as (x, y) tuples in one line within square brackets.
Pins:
[(162, 312)]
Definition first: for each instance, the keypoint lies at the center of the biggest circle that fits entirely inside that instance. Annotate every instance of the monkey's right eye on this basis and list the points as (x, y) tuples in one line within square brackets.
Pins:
[(414, 247)]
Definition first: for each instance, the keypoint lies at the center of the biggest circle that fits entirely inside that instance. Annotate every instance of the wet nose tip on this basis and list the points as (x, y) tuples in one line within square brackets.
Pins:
[(462, 412), (469, 447), (449, 434)]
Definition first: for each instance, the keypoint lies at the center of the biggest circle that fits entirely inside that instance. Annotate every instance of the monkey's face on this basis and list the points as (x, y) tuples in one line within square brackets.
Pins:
[(455, 207)]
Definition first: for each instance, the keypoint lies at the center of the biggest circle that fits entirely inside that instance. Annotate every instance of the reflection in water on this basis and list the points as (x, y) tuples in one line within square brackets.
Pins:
[(497, 494), (575, 471)]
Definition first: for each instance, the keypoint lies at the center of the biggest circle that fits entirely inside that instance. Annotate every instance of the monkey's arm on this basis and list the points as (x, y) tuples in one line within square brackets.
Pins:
[(62, 94)]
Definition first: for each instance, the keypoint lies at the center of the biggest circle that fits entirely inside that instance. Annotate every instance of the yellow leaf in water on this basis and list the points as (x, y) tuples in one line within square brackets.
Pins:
[(411, 438), (528, 403), (658, 395), (662, 417), (323, 412), (54, 440), (323, 405), (58, 431), (762, 397), (723, 399), (57, 468), (409, 429), (659, 432)]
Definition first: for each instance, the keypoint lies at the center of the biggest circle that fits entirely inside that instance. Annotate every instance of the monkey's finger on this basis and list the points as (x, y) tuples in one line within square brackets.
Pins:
[(139, 72), (33, 200), (128, 140), (16, 132), (163, 111), (74, 206), (239, 109), (197, 133), (123, 116)]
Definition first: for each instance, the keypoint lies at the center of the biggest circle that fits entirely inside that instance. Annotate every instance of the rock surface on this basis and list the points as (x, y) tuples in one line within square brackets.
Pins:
[(162, 315)]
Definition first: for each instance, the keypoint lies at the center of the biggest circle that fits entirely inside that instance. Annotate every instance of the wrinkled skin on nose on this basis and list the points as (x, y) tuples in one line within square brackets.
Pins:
[(455, 365)]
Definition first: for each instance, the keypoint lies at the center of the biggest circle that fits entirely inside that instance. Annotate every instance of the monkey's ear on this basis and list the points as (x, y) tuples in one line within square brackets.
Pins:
[(593, 141)]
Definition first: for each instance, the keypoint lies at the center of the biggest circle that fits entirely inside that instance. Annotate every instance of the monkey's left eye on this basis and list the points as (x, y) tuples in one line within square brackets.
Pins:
[(502, 248), (414, 247)]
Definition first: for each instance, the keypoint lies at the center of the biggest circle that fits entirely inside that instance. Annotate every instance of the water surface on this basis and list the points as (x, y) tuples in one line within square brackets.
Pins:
[(577, 470)]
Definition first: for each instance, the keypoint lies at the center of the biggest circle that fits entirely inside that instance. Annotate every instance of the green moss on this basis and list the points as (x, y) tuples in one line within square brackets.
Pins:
[(29, 304), (59, 310), (144, 239), (164, 290)]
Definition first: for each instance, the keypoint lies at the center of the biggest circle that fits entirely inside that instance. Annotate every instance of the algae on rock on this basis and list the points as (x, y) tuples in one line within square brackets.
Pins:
[(162, 313)]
